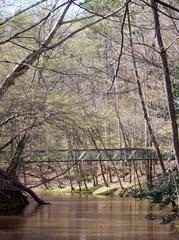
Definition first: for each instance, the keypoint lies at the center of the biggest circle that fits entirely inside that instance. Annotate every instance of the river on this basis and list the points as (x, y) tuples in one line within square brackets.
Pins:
[(74, 217)]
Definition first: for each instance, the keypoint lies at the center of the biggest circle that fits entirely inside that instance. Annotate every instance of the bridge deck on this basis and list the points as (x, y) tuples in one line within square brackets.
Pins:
[(88, 155)]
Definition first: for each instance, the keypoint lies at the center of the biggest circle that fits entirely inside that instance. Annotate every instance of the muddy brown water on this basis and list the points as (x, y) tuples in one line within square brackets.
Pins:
[(74, 217)]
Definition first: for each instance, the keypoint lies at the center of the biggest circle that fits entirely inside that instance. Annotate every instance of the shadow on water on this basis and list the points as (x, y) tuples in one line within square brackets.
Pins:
[(26, 211), (10, 220), (74, 217)]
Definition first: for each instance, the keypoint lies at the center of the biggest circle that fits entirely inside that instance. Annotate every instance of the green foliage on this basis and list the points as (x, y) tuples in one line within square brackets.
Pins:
[(168, 155), (169, 218), (138, 193), (164, 192), (176, 90)]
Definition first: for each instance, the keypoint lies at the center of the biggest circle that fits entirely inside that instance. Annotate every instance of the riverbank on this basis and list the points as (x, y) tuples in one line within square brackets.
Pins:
[(113, 189)]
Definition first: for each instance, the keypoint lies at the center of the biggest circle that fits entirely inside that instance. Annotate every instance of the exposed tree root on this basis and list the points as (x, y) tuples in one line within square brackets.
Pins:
[(12, 192)]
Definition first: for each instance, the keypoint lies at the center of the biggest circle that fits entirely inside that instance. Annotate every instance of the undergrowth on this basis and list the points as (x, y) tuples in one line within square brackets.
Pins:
[(163, 191)]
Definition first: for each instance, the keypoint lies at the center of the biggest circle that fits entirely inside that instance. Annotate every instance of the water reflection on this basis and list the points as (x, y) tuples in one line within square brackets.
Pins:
[(85, 218)]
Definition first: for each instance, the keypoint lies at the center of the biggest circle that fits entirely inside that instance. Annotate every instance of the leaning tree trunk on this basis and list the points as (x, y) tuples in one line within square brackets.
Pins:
[(168, 85), (11, 190), (146, 116), (12, 193)]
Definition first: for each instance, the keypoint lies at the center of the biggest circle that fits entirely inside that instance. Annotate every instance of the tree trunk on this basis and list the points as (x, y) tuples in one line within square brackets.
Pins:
[(31, 193), (11, 192), (147, 119), (168, 85)]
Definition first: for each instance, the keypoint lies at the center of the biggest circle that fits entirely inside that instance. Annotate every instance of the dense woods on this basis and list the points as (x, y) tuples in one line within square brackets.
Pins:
[(85, 75)]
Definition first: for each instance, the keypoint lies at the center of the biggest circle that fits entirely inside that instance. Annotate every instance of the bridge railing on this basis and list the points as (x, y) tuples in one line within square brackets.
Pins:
[(124, 154), (93, 155)]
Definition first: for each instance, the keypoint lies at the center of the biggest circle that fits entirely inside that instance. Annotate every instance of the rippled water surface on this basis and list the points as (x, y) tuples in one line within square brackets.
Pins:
[(85, 218)]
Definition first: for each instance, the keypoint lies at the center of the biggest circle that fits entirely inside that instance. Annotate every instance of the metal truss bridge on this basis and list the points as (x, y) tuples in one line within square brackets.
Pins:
[(90, 155)]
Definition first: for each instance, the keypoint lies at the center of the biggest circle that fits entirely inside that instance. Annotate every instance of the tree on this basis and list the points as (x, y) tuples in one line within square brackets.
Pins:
[(35, 53), (167, 78)]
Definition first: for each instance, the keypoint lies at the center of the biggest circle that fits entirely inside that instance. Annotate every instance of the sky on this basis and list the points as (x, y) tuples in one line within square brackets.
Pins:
[(9, 7)]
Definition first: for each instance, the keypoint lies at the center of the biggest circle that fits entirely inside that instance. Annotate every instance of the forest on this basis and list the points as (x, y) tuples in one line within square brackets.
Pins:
[(89, 94)]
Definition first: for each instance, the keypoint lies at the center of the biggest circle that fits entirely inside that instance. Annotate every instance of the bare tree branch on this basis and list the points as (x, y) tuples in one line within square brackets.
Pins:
[(26, 62), (121, 49), (167, 5), (22, 11)]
